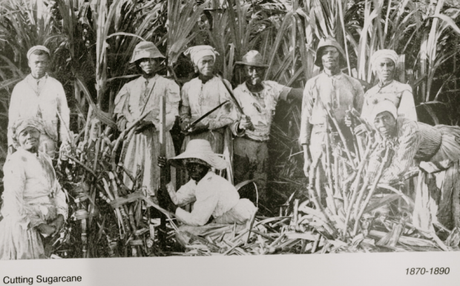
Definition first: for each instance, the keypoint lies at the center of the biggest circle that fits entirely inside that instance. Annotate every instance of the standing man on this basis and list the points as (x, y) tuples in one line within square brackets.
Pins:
[(134, 100), (41, 96), (258, 99), (331, 88), (200, 95)]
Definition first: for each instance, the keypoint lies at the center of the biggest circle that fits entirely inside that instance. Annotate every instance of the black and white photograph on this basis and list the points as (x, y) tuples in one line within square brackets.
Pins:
[(253, 135)]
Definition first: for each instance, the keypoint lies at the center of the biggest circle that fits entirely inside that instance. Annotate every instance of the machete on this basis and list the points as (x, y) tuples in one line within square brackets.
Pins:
[(203, 116)]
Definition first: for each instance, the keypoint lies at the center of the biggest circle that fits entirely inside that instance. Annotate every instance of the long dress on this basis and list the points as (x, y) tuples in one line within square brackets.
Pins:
[(142, 150), (32, 196)]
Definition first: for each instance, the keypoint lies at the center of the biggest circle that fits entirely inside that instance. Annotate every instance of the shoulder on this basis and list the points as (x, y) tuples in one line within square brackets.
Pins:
[(312, 82), (402, 86), (17, 159), (52, 80)]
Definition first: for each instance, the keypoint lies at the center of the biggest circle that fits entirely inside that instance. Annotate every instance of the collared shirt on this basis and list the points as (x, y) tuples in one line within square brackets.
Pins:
[(140, 96), (32, 193), (203, 97), (261, 106), (212, 196), (414, 142), (340, 92), (399, 94), (44, 99)]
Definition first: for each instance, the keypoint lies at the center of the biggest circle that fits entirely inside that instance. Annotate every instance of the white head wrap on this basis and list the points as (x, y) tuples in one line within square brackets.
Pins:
[(382, 106), (37, 48), (379, 55), (198, 52)]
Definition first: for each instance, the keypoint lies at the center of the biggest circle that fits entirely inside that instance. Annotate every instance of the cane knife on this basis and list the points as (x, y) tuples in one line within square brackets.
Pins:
[(204, 116)]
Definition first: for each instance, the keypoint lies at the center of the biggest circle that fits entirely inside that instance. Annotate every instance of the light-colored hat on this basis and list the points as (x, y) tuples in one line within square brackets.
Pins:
[(327, 42), (201, 149), (145, 50), (379, 55), (198, 52), (253, 58), (382, 106), (37, 48)]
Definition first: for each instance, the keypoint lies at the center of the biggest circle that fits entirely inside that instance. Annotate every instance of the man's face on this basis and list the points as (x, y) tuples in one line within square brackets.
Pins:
[(385, 124), (148, 65), (254, 75), (38, 65), (196, 171), (386, 70), (29, 139), (330, 58), (205, 66)]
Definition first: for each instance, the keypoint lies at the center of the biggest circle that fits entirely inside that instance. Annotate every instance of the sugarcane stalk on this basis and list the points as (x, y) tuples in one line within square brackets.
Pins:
[(328, 168), (355, 186), (164, 172), (373, 188), (339, 131)]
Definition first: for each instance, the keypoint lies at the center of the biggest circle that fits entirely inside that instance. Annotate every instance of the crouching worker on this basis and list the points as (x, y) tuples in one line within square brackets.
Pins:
[(34, 205), (216, 203), (434, 149)]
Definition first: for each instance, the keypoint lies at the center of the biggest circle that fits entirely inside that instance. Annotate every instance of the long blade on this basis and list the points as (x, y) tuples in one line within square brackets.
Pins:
[(238, 106), (207, 114)]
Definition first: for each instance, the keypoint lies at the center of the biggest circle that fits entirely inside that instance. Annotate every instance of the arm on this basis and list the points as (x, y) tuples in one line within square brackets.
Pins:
[(406, 106), (202, 210), (172, 103), (227, 114), (122, 115), (409, 141), (185, 195), (295, 94), (13, 112)]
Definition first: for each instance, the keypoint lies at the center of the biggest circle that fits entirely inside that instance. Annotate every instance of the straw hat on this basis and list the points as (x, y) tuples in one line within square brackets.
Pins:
[(145, 50), (253, 58), (382, 106), (201, 149), (37, 48), (327, 42)]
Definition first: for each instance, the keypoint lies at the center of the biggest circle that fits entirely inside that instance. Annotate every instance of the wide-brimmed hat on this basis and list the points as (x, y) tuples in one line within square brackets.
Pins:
[(382, 106), (252, 58), (145, 50), (201, 149), (37, 48), (327, 42)]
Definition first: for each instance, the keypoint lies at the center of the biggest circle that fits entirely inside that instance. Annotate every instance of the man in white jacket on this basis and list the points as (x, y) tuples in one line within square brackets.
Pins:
[(41, 96)]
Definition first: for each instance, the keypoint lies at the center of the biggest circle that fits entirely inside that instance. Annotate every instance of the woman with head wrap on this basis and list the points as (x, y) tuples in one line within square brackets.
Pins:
[(34, 204), (200, 95), (383, 64)]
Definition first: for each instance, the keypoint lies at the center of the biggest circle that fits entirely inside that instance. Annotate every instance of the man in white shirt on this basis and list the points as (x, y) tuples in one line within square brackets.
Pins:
[(41, 96)]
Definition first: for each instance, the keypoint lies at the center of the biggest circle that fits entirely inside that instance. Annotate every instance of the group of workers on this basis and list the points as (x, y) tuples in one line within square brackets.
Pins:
[(212, 115)]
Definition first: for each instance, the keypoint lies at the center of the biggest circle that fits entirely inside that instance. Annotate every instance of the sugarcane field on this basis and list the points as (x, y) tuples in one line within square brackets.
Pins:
[(135, 128)]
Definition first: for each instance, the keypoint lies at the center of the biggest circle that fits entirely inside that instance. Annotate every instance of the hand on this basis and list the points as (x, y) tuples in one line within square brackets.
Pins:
[(46, 229), (162, 161), (184, 125), (64, 151), (200, 126), (347, 120), (58, 223), (121, 123), (143, 125), (246, 123)]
